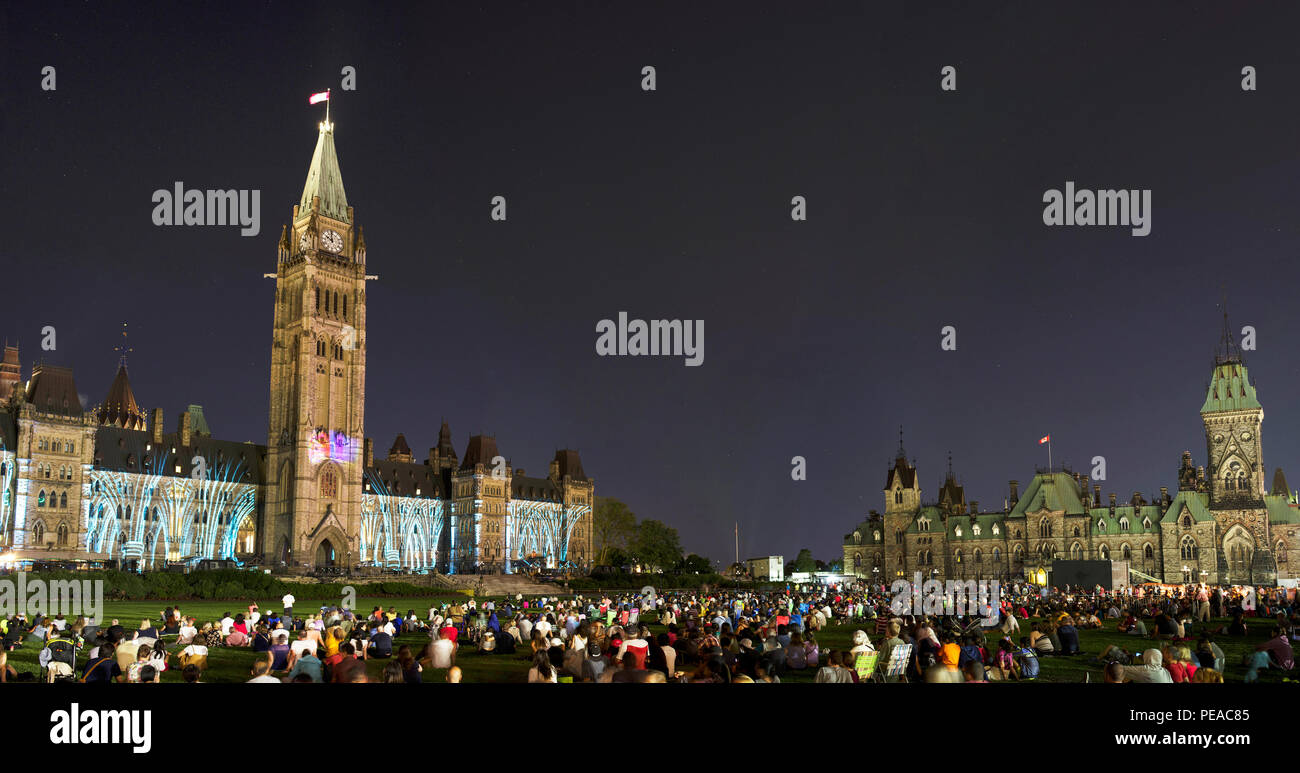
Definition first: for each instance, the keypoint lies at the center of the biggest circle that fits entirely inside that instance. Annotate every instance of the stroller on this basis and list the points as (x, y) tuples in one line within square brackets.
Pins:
[(61, 661)]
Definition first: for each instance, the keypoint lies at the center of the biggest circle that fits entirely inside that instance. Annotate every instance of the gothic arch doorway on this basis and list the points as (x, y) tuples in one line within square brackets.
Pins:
[(1239, 550), (325, 553)]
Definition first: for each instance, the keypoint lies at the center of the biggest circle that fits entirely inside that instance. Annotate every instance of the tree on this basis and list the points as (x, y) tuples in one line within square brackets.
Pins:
[(804, 562), (693, 564), (613, 527), (657, 544)]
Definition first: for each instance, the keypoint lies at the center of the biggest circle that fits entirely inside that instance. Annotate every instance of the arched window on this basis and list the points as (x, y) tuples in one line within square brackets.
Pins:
[(898, 497), (328, 485), (979, 557), (63, 500), (62, 534), (997, 555), (899, 537), (1148, 551), (38, 533), (1280, 552), (1044, 527), (317, 300), (957, 556), (1019, 553), (857, 560), (40, 499), (1187, 521), (1123, 523), (1076, 531), (1076, 551), (1126, 551), (1104, 553), (1188, 547)]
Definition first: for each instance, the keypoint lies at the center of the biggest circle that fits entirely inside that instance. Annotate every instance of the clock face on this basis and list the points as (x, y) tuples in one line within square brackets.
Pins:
[(332, 241)]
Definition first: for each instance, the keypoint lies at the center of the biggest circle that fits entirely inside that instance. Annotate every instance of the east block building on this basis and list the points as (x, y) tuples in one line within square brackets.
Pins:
[(108, 483), (1223, 523)]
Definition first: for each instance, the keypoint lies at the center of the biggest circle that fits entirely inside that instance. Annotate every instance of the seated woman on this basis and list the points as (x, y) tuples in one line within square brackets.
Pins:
[(211, 635), (238, 632), (261, 639), (796, 657)]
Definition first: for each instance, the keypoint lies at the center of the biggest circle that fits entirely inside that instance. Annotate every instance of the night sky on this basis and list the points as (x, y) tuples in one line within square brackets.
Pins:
[(821, 337)]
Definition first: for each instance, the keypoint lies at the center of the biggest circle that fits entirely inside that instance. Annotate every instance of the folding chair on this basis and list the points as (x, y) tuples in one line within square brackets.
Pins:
[(865, 665), (899, 657)]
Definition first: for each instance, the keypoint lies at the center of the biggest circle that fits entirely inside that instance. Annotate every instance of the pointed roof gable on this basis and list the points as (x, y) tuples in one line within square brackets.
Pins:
[(324, 179), (52, 390), (120, 408), (1230, 388), (570, 464), (481, 450)]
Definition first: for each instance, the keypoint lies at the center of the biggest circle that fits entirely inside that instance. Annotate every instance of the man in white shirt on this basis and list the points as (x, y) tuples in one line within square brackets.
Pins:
[(288, 605), (303, 644), (226, 622), (442, 653)]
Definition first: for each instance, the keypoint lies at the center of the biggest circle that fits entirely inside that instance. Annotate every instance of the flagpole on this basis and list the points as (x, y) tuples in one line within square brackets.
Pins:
[(327, 107), (1049, 453)]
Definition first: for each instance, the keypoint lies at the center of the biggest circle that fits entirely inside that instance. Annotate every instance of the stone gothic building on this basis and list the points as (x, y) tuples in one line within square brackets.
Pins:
[(110, 484), (1223, 524)]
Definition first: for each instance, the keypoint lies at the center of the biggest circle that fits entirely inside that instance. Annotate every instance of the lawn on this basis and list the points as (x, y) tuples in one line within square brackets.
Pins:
[(233, 664)]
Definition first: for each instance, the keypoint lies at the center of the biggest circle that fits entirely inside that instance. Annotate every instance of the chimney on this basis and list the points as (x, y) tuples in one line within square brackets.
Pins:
[(519, 472), (156, 426), (1164, 495), (974, 507), (369, 452), (1112, 503), (1015, 492), (184, 429), (1096, 495), (555, 469), (433, 456)]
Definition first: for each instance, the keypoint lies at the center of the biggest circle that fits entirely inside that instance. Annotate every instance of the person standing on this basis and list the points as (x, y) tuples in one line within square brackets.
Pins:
[(288, 605)]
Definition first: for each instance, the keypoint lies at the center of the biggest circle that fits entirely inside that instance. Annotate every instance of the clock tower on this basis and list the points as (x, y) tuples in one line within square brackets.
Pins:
[(318, 372)]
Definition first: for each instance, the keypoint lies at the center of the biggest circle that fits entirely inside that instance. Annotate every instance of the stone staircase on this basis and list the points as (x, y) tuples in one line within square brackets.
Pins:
[(504, 585)]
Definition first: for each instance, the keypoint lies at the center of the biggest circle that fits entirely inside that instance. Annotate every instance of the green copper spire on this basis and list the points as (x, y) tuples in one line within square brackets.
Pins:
[(324, 179)]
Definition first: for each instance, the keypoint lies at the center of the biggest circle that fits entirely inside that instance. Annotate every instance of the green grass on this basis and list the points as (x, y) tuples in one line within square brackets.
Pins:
[(234, 664)]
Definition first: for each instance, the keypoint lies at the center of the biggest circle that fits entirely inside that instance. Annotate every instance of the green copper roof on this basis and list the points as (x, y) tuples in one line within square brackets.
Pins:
[(1280, 509), (1230, 389), (1195, 503), (1055, 491), (325, 180)]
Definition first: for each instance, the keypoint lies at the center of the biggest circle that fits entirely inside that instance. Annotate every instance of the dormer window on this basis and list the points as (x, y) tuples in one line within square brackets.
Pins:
[(957, 531), (1101, 525), (996, 530), (975, 530)]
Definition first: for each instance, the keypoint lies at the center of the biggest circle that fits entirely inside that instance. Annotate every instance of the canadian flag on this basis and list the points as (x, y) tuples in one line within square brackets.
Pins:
[(1044, 439), (320, 97)]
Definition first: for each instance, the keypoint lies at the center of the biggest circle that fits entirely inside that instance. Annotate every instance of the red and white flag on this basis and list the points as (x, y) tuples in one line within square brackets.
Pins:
[(320, 97), (1044, 439)]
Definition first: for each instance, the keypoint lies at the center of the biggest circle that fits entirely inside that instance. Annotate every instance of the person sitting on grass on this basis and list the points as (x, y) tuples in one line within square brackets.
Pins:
[(238, 635), (1207, 676), (1069, 637), (1113, 673), (974, 672), (141, 660), (191, 674), (1274, 653), (1026, 660), (261, 640), (309, 665), (1150, 670), (212, 635), (380, 644), (1132, 626), (186, 632), (262, 672), (281, 652)]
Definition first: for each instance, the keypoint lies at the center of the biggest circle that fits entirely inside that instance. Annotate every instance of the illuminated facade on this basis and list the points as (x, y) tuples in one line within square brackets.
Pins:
[(108, 484), (1223, 525)]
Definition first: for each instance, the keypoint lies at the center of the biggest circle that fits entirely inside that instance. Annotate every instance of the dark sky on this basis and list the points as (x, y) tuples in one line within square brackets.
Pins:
[(821, 337)]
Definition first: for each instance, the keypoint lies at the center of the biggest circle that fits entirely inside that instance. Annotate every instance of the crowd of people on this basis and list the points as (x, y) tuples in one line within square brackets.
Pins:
[(728, 636)]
